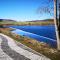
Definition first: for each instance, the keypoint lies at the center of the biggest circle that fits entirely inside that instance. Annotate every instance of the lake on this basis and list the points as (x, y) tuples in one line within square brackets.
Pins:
[(41, 33)]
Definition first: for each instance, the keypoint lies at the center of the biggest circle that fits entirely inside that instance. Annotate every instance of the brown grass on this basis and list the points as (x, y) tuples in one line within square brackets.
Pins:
[(40, 47)]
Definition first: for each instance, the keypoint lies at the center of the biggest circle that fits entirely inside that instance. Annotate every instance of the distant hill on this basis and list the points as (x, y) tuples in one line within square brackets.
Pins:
[(41, 22), (51, 20), (33, 22), (7, 20)]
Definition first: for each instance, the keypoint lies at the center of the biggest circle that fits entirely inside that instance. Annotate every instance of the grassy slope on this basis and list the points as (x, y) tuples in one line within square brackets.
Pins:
[(44, 22)]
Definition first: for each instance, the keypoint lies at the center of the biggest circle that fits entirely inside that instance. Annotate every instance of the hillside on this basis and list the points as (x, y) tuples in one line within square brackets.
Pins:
[(42, 22), (7, 20), (33, 22), (51, 20)]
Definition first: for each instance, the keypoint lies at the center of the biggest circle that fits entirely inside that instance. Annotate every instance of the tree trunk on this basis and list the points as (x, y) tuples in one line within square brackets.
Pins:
[(56, 24)]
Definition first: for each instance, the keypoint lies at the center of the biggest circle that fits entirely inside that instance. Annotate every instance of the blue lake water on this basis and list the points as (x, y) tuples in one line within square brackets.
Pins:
[(41, 33)]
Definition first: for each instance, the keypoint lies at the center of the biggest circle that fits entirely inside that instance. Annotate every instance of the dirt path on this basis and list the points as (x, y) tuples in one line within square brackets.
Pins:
[(15, 52)]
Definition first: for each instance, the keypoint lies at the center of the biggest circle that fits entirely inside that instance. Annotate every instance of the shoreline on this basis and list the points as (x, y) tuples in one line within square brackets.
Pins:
[(40, 47), (45, 39)]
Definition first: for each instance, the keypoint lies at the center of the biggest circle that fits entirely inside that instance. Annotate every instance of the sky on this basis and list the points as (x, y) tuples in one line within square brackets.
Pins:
[(23, 10)]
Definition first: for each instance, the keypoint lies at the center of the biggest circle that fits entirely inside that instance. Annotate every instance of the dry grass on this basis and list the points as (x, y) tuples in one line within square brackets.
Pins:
[(40, 47)]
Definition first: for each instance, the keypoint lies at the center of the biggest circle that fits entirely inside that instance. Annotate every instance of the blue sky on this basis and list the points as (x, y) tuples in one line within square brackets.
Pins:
[(23, 10)]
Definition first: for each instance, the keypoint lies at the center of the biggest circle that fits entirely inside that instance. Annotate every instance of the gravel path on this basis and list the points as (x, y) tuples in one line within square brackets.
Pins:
[(15, 52), (14, 55), (3, 56)]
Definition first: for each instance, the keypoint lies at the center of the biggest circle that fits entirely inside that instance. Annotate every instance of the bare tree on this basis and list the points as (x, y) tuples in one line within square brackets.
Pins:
[(56, 24), (48, 9)]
